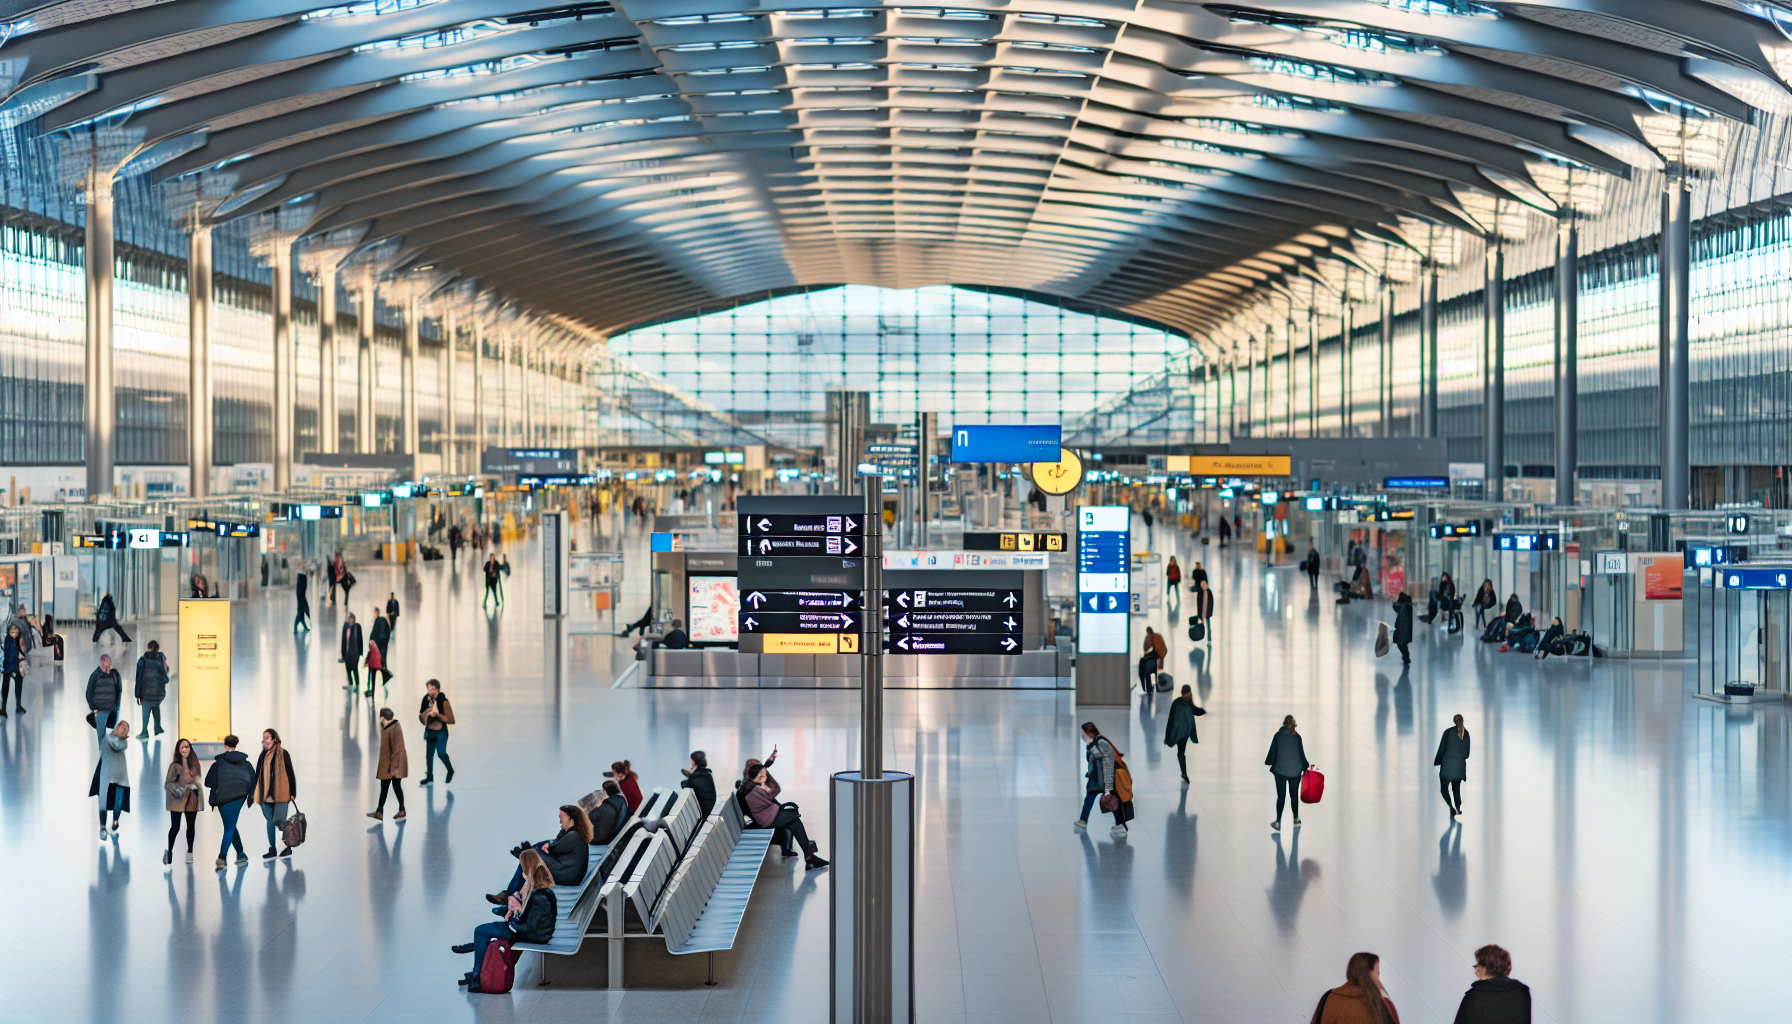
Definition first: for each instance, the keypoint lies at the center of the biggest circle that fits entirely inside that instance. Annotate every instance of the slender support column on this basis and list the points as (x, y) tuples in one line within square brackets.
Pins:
[(480, 438), (284, 357), (1312, 371), (366, 423), (199, 362), (450, 391), (1250, 388), (1288, 377), (408, 377), (1384, 374), (1428, 324), (102, 408), (1567, 358), (528, 367), (871, 842), (1676, 353), (503, 387), (329, 416), (1493, 373), (1346, 385)]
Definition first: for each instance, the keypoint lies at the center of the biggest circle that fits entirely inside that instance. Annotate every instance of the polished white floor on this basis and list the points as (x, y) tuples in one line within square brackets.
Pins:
[(1630, 845)]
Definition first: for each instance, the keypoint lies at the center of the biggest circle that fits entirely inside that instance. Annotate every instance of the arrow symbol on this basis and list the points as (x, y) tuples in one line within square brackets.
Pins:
[(764, 525), (1008, 643), (903, 622), (903, 642), (851, 548), (1010, 600), (902, 598), (765, 547), (756, 598), (752, 623), (850, 525), (845, 622), (1009, 622)]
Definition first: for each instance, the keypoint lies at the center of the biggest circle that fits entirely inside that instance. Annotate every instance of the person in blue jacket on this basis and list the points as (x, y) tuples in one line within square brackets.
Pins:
[(1287, 760)]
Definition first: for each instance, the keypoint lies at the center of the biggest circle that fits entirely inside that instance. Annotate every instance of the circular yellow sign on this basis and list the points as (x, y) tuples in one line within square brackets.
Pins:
[(1060, 477)]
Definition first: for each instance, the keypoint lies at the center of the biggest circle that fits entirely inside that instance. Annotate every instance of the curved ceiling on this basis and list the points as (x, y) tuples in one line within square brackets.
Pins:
[(614, 162)]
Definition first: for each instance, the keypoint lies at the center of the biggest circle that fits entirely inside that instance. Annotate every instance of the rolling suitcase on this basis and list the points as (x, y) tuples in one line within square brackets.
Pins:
[(1164, 682)]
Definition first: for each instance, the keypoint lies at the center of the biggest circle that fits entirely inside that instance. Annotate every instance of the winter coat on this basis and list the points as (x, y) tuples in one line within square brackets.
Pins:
[(1403, 622), (118, 771), (272, 784), (27, 635), (352, 645), (1173, 574), (536, 922), (107, 612), (392, 609), (1154, 644), (567, 857), (152, 677), (104, 690), (1181, 726), (1514, 609), (380, 635), (702, 783), (394, 762), (15, 654), (1495, 1001), (1100, 755), (1446, 590), (1287, 754), (1344, 1005), (441, 707), (1485, 598), (230, 778), (1452, 756), (179, 772), (762, 806), (631, 790), (1204, 602), (1550, 636), (607, 820)]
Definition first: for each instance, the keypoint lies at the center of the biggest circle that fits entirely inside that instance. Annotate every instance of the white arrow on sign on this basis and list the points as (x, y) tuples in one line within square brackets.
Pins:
[(902, 598), (1113, 602), (850, 525), (851, 548), (845, 622), (1008, 643), (902, 642), (752, 622), (1010, 600), (1009, 622), (764, 525), (903, 622), (765, 547), (756, 598)]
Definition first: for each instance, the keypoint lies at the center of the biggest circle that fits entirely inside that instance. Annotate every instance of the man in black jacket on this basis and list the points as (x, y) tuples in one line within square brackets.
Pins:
[(699, 781), (607, 819), (676, 638), (1494, 998), (152, 686), (380, 636), (352, 648), (105, 691), (231, 780)]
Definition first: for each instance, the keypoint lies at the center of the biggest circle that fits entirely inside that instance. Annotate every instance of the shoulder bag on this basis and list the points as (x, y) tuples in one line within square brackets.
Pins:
[(293, 830)]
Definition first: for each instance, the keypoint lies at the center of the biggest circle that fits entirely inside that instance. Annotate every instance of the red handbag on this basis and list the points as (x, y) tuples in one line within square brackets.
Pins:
[(1312, 786)]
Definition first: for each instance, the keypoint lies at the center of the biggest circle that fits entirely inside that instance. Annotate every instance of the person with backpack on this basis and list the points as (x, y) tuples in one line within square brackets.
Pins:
[(1361, 999), (529, 916), (106, 617), (276, 787), (394, 764), (181, 789), (1203, 598), (1403, 626), (491, 582), (352, 646), (1551, 636), (152, 686), (1104, 777), (1452, 764), (1494, 998), (437, 715), (1287, 761), (1311, 568), (231, 780), (1179, 732)]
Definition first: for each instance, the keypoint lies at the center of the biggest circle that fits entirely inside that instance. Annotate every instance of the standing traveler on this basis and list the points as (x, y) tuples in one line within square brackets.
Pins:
[(152, 686), (112, 778), (393, 766), (352, 646), (301, 586), (437, 715), (392, 609), (630, 783), (105, 692), (608, 816), (1485, 599), (1155, 651), (231, 779), (491, 582), (1225, 531), (1180, 731), (1198, 575), (567, 855), (347, 581), (1494, 998), (1361, 999), (1312, 568), (106, 617), (528, 917), (1204, 606), (1287, 760), (380, 636), (786, 820), (699, 780), (1173, 582), (1102, 775), (15, 666), (1452, 765), (27, 636), (180, 786), (1403, 626), (276, 786)]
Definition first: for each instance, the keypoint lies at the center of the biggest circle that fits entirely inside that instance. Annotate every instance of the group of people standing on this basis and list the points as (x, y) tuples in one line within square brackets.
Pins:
[(370, 648)]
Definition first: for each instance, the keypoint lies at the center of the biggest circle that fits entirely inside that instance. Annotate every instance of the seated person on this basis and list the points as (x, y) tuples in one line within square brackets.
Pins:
[(746, 776), (628, 782), (786, 821), (1551, 638), (676, 638), (698, 780), (1519, 630), (565, 855), (607, 819), (528, 915)]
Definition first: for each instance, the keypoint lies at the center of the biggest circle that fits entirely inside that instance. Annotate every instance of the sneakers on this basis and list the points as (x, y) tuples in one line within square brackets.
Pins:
[(813, 863), (1297, 821), (1276, 824), (376, 815), (242, 858), (222, 864), (270, 855), (1080, 823), (1117, 832), (103, 834), (286, 852), (399, 816), (167, 856), (189, 856)]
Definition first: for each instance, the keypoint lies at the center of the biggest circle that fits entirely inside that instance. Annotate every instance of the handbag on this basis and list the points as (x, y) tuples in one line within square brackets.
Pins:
[(293, 829), (1110, 802), (175, 790)]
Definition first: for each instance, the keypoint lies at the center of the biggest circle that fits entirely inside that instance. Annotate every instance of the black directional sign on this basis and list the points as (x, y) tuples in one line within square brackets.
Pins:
[(799, 622), (801, 526), (799, 600), (824, 544), (952, 600), (801, 572), (952, 622), (951, 643)]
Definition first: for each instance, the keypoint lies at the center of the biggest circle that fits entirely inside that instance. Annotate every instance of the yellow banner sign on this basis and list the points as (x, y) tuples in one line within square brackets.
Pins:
[(810, 643), (204, 691), (1240, 465)]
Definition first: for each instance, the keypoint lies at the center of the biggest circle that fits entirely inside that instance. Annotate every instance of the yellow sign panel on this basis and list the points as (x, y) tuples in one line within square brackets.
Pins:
[(204, 692), (1240, 465), (1060, 477), (810, 643)]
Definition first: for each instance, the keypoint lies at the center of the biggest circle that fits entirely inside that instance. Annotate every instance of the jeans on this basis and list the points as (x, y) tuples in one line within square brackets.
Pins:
[(1089, 804), (486, 933), (111, 624), (1446, 785), (435, 743), (788, 824), (230, 812), (354, 675), (174, 827), (1288, 786), (395, 786), (14, 682), (275, 813), (152, 709), (118, 795)]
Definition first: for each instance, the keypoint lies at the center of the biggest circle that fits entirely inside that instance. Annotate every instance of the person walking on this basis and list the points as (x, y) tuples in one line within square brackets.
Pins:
[(1361, 999), (231, 779), (106, 617), (1173, 584), (348, 580), (380, 638), (1287, 760), (393, 766), (303, 618), (1494, 998), (1225, 531), (180, 787), (1485, 600), (437, 715), (152, 686), (1312, 568), (352, 646), (700, 781), (1203, 599), (392, 609), (1403, 626), (1180, 730), (491, 582), (1452, 765), (276, 786), (105, 692), (14, 664), (1155, 651), (1102, 759), (112, 778)]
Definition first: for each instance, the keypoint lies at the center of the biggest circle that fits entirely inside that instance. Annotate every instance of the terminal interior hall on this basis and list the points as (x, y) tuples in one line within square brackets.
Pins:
[(1018, 512)]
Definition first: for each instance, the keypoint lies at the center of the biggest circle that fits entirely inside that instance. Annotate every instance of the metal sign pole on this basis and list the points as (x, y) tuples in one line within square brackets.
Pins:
[(871, 882)]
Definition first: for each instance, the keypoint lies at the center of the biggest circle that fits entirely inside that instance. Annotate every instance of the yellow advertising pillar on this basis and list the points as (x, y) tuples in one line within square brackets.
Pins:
[(204, 687)]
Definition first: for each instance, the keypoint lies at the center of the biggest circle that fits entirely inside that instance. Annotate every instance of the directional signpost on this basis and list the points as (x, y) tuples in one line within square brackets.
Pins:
[(954, 620), (819, 545), (951, 643), (1103, 636), (801, 574)]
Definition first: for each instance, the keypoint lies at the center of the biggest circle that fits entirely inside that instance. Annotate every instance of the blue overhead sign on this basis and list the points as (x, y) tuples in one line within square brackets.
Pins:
[(1757, 579), (1416, 483), (1007, 442)]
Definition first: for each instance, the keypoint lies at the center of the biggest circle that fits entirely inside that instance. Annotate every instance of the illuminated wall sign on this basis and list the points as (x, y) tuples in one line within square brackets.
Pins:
[(1240, 465), (1007, 442), (1455, 531), (1104, 586), (1416, 483), (1756, 579), (1526, 541), (205, 670)]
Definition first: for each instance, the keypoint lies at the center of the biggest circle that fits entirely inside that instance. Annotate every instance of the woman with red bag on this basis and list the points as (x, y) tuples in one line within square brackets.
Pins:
[(1287, 760)]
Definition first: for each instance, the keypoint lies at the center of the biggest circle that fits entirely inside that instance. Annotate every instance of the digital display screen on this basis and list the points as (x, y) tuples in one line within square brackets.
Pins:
[(715, 609)]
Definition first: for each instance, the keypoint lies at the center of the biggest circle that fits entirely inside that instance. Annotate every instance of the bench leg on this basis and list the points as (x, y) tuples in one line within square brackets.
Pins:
[(712, 969), (544, 970), (615, 941)]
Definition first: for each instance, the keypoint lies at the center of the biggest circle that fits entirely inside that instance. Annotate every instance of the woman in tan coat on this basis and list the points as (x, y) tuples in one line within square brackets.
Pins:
[(393, 767), (1361, 999), (181, 787)]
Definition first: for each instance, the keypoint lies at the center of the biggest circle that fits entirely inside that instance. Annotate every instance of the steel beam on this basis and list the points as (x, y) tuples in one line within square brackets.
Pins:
[(1567, 359)]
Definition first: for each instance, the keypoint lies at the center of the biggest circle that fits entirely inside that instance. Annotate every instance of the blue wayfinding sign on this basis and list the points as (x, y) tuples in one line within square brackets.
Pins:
[(1415, 483), (1007, 442), (1103, 578), (1757, 579)]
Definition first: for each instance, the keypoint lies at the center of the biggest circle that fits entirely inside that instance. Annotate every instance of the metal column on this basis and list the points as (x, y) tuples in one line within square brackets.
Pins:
[(479, 436), (503, 387), (102, 410), (1288, 373), (1428, 345), (451, 390), (1346, 386), (1384, 373), (366, 430), (408, 379), (528, 362), (1493, 374), (871, 649), (1567, 358), (329, 415), (1676, 307), (199, 362), (1312, 371), (284, 356)]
